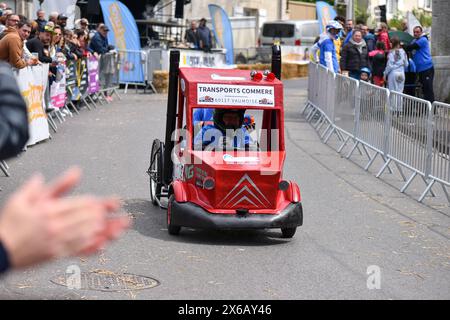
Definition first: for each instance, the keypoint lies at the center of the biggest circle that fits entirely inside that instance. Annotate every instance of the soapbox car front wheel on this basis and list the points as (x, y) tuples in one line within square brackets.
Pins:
[(288, 232), (155, 171), (173, 230)]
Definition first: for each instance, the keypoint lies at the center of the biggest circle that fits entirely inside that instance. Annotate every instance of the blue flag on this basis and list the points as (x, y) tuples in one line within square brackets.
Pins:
[(124, 35), (325, 13), (222, 30)]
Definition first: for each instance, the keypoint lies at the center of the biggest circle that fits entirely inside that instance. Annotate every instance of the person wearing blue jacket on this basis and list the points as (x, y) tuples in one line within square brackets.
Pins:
[(326, 46), (369, 38), (421, 55), (226, 132), (203, 115), (99, 43)]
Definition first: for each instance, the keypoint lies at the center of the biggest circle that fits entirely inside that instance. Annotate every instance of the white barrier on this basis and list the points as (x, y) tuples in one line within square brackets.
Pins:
[(33, 82), (404, 130)]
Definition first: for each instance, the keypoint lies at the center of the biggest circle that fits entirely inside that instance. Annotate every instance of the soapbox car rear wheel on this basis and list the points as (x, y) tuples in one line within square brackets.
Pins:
[(288, 232), (155, 171), (173, 230)]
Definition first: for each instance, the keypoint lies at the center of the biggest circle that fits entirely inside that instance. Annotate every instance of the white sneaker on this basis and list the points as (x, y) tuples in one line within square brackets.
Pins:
[(66, 112)]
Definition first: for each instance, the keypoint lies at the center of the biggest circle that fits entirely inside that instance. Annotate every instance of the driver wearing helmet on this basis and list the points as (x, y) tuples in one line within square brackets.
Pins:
[(226, 133), (326, 46)]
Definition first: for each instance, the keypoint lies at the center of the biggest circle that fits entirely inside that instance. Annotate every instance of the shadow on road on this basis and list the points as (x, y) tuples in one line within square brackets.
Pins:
[(150, 221)]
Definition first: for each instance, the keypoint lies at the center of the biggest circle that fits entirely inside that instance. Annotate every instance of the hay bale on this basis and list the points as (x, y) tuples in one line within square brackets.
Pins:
[(302, 70), (257, 66), (289, 71), (243, 67), (161, 81)]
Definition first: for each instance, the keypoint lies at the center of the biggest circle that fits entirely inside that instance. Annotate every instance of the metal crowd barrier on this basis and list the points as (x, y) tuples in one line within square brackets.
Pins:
[(404, 130), (109, 74), (409, 137), (132, 64), (370, 120), (345, 91), (440, 149)]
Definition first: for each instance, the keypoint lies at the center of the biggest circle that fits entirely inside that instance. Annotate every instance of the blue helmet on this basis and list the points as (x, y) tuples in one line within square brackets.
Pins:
[(366, 70), (333, 25)]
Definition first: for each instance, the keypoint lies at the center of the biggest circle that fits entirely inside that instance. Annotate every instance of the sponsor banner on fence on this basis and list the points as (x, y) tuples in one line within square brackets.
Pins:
[(234, 95), (71, 82), (58, 93), (33, 83), (82, 76), (94, 80)]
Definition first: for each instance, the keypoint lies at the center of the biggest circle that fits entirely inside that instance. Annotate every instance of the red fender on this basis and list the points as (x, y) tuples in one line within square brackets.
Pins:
[(293, 193), (177, 188)]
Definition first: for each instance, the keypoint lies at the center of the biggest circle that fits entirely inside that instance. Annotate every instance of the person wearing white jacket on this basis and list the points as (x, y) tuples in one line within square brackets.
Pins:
[(395, 68)]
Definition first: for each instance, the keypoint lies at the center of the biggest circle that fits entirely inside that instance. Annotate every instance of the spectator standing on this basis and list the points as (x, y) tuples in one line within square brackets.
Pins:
[(62, 21), (71, 40), (38, 24), (11, 48), (11, 21), (383, 36), (369, 38), (83, 42), (99, 46), (397, 61), (327, 49), (41, 45), (55, 46), (423, 61), (338, 42), (377, 59), (348, 31), (365, 74), (354, 55), (204, 36), (53, 17), (99, 43), (191, 35), (84, 26), (24, 33)]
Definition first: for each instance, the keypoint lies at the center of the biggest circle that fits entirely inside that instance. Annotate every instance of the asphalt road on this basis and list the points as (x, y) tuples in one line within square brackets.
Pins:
[(353, 222)]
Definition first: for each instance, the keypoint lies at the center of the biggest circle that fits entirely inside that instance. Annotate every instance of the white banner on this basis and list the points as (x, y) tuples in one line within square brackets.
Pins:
[(197, 59), (33, 83), (234, 95)]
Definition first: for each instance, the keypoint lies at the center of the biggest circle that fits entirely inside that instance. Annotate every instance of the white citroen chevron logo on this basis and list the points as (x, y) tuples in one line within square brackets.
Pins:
[(242, 192)]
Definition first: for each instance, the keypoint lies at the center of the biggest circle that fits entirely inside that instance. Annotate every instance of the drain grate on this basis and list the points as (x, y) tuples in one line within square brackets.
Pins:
[(103, 280)]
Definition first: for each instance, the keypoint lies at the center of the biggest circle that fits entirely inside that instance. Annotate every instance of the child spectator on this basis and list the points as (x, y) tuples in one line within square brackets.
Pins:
[(377, 60), (395, 69), (365, 74)]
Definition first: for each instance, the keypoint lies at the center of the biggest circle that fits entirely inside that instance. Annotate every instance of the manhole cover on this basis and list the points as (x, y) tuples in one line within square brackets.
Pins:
[(103, 280)]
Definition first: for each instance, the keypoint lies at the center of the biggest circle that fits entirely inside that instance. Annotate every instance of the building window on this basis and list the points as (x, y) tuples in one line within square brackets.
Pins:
[(428, 4), (392, 6), (10, 4)]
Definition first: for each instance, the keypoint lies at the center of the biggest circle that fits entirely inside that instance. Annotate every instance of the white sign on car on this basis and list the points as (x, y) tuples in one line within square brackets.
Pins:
[(235, 95)]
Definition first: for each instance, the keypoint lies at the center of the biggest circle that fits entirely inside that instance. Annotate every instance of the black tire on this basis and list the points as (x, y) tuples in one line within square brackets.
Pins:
[(288, 232), (173, 230), (155, 171)]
